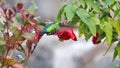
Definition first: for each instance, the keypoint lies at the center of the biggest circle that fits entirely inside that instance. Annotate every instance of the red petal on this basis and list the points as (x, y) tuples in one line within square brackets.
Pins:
[(59, 32), (95, 39), (24, 16), (38, 36), (72, 35), (66, 34), (10, 13)]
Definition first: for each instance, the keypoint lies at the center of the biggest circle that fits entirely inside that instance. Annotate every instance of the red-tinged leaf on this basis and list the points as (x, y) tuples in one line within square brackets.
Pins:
[(32, 7), (31, 17), (1, 11), (24, 16), (16, 39), (14, 8), (10, 13), (33, 21), (14, 30), (28, 35), (9, 62), (38, 36), (27, 28), (19, 6), (37, 27), (6, 36), (66, 34)]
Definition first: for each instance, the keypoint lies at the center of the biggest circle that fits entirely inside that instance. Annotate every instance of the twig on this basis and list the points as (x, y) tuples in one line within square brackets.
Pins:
[(34, 48), (22, 49), (4, 57)]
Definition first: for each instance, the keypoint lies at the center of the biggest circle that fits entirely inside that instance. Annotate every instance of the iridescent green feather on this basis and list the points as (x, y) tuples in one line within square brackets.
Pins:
[(51, 28)]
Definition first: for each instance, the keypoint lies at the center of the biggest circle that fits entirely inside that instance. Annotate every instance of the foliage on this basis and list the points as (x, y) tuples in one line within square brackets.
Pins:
[(18, 26), (99, 19), (117, 66), (19, 31)]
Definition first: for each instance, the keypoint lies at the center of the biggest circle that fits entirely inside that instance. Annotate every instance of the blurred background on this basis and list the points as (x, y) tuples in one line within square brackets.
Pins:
[(51, 53)]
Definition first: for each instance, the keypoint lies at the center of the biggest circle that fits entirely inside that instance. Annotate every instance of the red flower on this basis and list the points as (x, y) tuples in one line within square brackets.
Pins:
[(95, 39), (66, 34)]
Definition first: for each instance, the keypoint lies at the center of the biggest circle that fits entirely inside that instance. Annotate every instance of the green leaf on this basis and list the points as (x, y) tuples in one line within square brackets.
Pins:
[(118, 5), (18, 18), (28, 35), (82, 2), (108, 2), (116, 13), (1, 26), (85, 17), (14, 31), (93, 4), (107, 28), (80, 33), (75, 20), (83, 29), (113, 40), (1, 35), (116, 25), (59, 15), (75, 1), (70, 11), (89, 3), (101, 36), (2, 41), (114, 7), (96, 6), (117, 65), (118, 49), (105, 13), (115, 54), (33, 7), (2, 50), (96, 20), (87, 36)]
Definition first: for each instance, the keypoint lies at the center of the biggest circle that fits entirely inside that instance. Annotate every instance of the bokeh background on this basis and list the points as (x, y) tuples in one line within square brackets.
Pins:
[(51, 53)]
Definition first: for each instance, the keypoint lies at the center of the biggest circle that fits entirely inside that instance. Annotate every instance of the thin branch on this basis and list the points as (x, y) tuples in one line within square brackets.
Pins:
[(34, 48), (24, 51), (5, 56)]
